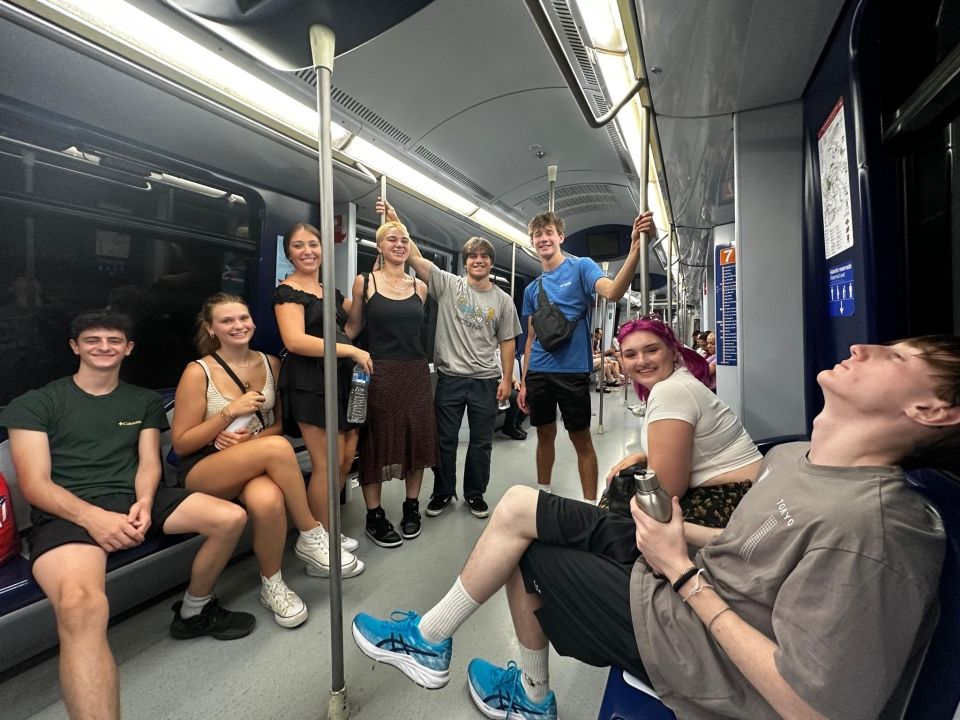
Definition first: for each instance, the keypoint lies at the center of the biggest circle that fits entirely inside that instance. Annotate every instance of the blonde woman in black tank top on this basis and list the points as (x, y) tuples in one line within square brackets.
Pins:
[(400, 437)]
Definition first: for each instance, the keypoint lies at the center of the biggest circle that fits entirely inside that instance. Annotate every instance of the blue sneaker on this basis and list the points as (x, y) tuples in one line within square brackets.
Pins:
[(398, 642), (498, 693)]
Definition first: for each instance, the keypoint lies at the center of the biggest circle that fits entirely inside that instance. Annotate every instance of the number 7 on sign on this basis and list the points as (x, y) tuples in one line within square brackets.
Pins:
[(728, 256)]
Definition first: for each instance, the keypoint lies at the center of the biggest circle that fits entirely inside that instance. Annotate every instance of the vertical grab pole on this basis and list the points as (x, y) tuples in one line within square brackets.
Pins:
[(513, 271), (322, 43), (383, 196), (644, 171), (669, 318), (602, 380), (552, 181)]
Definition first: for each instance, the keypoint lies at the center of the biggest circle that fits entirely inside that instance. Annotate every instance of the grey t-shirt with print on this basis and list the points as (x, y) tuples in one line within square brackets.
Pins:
[(838, 566), (471, 324)]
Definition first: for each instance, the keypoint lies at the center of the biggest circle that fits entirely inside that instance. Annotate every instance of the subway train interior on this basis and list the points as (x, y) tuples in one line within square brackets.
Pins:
[(799, 157)]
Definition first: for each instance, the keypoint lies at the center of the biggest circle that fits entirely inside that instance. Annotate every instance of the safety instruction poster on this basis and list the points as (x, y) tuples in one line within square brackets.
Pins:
[(725, 271), (840, 282), (835, 183)]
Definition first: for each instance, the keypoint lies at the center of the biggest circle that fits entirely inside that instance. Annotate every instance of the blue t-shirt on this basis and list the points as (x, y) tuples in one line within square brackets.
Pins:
[(570, 287)]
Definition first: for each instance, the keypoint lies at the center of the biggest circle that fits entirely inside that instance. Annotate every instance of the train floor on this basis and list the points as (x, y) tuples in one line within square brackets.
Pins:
[(279, 673)]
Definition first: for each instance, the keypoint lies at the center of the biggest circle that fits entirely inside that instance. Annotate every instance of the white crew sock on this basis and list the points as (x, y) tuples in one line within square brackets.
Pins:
[(192, 606), (544, 488), (443, 619), (589, 501), (273, 579), (535, 673)]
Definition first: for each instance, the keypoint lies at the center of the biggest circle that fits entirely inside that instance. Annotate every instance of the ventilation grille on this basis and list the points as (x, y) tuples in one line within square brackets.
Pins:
[(618, 147), (451, 172), (569, 28), (357, 109), (583, 198)]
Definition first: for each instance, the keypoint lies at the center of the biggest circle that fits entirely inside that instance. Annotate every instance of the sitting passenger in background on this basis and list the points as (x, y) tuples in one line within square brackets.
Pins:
[(86, 449), (693, 441), (227, 431), (610, 377), (710, 345), (809, 604)]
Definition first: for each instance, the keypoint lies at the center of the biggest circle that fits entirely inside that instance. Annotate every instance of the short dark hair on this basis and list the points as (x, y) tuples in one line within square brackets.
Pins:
[(478, 245), (100, 319), (544, 219)]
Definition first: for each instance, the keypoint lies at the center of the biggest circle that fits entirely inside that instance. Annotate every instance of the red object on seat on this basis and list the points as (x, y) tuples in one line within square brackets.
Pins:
[(9, 538)]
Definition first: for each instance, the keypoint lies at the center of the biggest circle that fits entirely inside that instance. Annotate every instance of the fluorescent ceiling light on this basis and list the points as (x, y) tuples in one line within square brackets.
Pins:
[(617, 74), (602, 18), (372, 156), (499, 226), (136, 29)]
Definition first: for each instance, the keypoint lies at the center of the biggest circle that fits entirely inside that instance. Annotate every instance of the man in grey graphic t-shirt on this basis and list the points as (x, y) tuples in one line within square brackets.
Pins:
[(475, 319), (810, 603)]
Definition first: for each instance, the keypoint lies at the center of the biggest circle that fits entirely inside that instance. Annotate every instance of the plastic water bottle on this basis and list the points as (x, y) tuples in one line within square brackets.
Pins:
[(357, 404), (651, 498)]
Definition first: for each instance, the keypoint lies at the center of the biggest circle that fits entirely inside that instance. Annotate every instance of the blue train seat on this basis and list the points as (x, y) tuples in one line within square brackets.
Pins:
[(933, 693)]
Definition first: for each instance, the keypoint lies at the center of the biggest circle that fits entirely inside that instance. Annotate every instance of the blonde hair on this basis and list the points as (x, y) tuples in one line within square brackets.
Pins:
[(204, 340), (391, 225)]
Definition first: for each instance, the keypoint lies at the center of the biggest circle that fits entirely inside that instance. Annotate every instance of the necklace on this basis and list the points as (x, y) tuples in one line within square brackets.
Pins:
[(242, 366), (394, 285)]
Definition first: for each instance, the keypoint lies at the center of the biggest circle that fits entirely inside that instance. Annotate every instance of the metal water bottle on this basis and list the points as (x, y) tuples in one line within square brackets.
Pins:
[(357, 403), (651, 498)]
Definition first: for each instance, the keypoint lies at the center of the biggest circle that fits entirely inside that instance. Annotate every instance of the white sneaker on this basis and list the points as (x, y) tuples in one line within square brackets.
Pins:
[(348, 543), (344, 573), (288, 609), (313, 548)]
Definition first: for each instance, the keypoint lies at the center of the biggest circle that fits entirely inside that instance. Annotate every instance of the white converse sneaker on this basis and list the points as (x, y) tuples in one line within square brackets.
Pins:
[(348, 543), (344, 573), (313, 548), (288, 609)]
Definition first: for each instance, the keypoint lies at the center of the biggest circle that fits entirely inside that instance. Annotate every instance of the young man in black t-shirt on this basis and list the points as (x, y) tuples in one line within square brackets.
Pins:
[(87, 453)]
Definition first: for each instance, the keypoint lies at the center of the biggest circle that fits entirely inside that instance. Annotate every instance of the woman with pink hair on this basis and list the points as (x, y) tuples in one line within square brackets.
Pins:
[(693, 441)]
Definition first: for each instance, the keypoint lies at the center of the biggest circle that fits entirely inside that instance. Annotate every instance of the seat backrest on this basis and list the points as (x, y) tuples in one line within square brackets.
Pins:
[(936, 693)]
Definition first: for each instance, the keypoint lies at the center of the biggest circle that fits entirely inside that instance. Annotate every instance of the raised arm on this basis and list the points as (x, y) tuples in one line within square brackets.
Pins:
[(421, 266), (30, 451), (614, 289), (664, 548)]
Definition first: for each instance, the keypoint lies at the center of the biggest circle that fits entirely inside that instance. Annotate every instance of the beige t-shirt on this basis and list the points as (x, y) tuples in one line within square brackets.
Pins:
[(838, 566)]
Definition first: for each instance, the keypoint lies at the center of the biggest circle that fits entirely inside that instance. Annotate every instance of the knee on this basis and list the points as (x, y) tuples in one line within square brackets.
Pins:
[(547, 433), (519, 501), (582, 441), (226, 521), (277, 448), (265, 503), (82, 611)]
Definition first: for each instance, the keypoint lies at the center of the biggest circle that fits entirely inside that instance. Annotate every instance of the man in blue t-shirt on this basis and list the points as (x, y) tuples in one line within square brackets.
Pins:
[(562, 377)]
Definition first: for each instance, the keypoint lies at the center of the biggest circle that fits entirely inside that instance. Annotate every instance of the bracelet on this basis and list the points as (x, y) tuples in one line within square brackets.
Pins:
[(687, 574), (227, 415), (701, 586), (714, 619)]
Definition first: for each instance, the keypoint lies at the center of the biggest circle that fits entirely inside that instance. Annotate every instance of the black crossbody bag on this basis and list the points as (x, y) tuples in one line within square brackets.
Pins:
[(239, 382), (551, 325)]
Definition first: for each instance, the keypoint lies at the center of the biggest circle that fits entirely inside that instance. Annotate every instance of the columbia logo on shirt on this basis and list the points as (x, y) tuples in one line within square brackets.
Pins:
[(127, 423)]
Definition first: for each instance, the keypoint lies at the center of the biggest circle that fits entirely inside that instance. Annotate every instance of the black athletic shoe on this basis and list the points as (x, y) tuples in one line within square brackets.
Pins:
[(381, 531), (437, 504), (515, 433), (410, 524), (214, 621), (478, 506)]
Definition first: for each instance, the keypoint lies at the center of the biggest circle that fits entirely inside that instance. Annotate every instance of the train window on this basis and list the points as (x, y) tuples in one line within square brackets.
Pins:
[(80, 235)]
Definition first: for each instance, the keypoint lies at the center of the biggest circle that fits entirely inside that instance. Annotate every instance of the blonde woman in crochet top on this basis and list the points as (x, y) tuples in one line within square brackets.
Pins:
[(227, 433)]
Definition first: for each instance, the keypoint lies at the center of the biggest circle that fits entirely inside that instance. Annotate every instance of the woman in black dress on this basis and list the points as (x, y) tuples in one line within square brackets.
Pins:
[(298, 305), (400, 437)]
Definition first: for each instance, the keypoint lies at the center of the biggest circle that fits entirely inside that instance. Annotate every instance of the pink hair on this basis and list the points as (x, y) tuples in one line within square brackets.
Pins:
[(690, 359)]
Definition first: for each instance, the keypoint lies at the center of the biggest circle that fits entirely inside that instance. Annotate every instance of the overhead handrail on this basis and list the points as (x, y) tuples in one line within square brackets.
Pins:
[(549, 35)]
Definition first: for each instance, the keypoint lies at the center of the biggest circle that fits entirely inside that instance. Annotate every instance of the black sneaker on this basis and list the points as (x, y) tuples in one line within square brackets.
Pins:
[(410, 524), (437, 504), (381, 531), (478, 506), (214, 621)]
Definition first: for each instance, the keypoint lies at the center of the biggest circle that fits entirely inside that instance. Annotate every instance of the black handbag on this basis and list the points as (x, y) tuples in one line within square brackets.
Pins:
[(551, 325)]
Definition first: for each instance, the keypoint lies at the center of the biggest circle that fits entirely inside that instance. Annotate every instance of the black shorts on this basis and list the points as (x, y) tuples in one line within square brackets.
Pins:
[(569, 391), (49, 531), (580, 567)]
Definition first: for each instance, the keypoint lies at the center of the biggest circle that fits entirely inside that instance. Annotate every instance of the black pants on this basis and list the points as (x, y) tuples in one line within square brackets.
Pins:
[(479, 397)]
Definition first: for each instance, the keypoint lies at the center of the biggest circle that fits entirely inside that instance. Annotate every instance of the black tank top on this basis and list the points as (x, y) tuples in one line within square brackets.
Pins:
[(393, 326)]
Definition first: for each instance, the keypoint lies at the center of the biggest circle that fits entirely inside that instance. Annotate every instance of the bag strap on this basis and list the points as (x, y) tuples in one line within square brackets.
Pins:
[(542, 298), (239, 382)]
